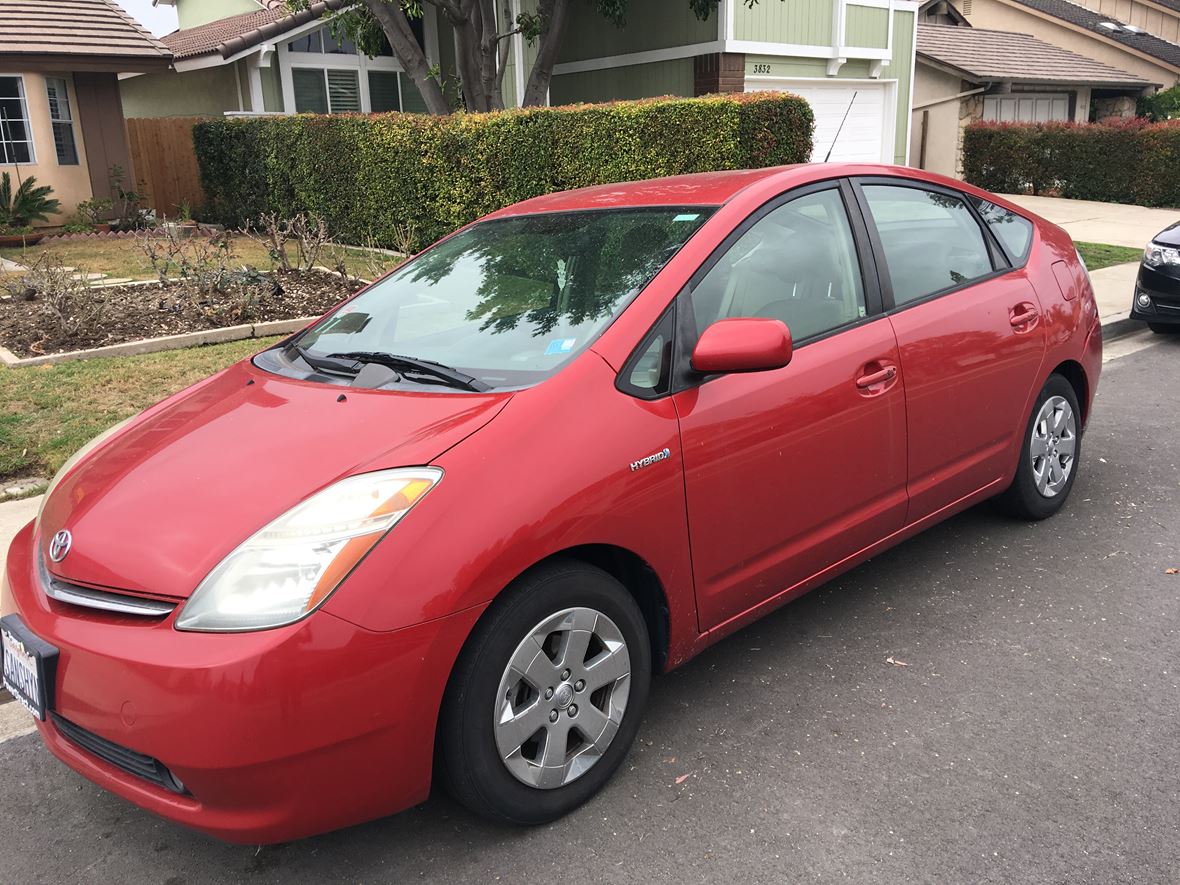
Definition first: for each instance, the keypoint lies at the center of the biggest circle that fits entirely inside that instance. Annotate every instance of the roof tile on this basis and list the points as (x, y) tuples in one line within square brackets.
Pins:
[(237, 32), (1003, 56), (1091, 21), (75, 27)]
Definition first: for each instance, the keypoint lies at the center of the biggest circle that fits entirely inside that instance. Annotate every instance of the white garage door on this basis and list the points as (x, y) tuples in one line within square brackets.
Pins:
[(865, 134)]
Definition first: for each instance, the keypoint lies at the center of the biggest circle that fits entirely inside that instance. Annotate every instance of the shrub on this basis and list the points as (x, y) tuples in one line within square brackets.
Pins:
[(1163, 105), (1122, 161), (373, 178), (28, 203)]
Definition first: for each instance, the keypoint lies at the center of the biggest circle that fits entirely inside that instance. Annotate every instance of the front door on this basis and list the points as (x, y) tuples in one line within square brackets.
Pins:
[(790, 471), (971, 339)]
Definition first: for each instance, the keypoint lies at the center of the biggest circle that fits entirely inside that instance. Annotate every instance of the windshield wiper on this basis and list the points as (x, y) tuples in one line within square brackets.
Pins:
[(411, 364), (324, 364)]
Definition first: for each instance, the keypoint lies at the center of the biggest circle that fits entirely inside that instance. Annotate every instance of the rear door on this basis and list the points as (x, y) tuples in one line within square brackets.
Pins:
[(790, 471), (970, 334)]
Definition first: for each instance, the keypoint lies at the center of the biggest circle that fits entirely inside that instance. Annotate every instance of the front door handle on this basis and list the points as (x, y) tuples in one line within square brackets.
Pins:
[(872, 379), (1023, 316)]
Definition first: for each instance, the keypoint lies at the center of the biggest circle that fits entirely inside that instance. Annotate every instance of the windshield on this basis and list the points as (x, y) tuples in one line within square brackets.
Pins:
[(508, 301)]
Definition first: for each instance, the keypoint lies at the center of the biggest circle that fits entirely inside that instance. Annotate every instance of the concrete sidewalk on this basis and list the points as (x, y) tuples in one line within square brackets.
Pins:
[(1119, 224)]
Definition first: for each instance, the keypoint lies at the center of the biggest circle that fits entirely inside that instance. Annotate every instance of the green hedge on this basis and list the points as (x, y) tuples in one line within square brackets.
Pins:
[(1128, 161), (367, 175)]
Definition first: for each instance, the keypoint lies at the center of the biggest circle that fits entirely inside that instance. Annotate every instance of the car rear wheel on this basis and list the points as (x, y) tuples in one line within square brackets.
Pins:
[(1049, 454), (547, 695), (1164, 328)]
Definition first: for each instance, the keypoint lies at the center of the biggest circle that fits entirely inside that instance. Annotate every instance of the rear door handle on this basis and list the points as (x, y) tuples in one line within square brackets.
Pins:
[(872, 379), (1023, 316)]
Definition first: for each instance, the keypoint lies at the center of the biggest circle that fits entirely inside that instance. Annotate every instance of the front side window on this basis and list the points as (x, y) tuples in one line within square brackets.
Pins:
[(62, 118), (1012, 230), (16, 137), (931, 240), (509, 301), (797, 264)]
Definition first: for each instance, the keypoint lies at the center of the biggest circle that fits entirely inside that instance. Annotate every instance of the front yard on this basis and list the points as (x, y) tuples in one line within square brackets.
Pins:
[(1100, 255), (51, 411)]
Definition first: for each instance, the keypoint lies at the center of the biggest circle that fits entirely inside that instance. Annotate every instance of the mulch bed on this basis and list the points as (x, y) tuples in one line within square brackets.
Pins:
[(29, 328)]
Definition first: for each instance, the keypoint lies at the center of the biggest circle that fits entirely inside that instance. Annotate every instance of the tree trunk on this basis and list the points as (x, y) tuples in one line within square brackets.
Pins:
[(392, 19), (556, 14)]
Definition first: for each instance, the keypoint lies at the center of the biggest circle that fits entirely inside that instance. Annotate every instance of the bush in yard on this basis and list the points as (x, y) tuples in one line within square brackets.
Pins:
[(373, 178), (1163, 105), (1122, 161)]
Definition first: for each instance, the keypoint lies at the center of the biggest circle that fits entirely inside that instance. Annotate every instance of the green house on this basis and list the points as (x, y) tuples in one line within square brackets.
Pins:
[(853, 60)]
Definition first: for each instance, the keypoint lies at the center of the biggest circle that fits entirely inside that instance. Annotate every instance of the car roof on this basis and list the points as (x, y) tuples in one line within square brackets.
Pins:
[(698, 189)]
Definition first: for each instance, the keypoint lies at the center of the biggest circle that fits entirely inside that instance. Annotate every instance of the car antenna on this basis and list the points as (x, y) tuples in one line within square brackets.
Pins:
[(840, 129)]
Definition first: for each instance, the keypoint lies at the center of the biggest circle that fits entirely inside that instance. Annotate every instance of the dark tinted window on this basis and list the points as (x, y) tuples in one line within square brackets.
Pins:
[(1012, 230), (931, 240), (797, 264)]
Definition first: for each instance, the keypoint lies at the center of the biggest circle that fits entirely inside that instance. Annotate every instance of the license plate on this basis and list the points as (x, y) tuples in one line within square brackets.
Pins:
[(30, 665)]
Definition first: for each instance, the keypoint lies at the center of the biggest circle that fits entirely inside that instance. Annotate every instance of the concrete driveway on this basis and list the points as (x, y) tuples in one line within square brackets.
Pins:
[(1119, 224)]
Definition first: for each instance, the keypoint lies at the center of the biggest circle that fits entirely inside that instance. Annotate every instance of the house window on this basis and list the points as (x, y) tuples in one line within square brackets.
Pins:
[(62, 118), (326, 91), (16, 137), (1026, 108)]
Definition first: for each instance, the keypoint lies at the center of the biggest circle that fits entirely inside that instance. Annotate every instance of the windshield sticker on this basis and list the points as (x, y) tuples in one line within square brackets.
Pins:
[(689, 217), (559, 346)]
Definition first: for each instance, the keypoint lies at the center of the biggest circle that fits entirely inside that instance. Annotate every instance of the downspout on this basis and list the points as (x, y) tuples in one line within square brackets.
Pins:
[(930, 104)]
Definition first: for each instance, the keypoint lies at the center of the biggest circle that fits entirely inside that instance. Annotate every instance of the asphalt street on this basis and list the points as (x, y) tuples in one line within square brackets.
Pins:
[(993, 701)]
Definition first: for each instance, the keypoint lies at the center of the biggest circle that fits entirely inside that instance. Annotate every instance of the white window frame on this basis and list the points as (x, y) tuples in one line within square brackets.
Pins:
[(325, 61), (23, 98), (998, 99), (70, 102)]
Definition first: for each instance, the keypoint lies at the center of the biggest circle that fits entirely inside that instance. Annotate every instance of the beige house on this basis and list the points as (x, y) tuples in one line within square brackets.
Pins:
[(61, 120), (1141, 37), (963, 74)]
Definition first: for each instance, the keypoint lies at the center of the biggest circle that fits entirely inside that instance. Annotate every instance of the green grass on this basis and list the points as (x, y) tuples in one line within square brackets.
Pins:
[(1099, 255), (52, 411)]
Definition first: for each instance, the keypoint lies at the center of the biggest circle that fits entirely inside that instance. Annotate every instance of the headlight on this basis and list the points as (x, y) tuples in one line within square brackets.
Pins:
[(288, 568), (78, 456), (1161, 256)]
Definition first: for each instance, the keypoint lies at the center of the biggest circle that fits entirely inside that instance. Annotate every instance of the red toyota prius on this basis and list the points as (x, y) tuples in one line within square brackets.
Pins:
[(458, 523)]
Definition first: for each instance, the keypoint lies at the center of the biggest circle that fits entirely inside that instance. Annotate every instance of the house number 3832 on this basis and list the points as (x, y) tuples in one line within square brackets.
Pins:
[(761, 68)]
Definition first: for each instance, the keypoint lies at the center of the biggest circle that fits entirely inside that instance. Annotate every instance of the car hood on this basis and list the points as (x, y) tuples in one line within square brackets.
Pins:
[(155, 508), (1169, 236)]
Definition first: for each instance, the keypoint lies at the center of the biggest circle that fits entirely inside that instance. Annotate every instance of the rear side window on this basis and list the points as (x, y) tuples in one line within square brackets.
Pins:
[(931, 240), (1012, 230)]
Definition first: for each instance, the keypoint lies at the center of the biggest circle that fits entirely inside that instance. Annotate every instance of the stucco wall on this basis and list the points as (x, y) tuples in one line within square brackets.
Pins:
[(1002, 17), (942, 120), (71, 184), (205, 92)]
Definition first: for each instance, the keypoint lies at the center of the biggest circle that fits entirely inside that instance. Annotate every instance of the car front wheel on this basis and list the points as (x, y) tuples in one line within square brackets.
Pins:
[(547, 695), (1048, 455)]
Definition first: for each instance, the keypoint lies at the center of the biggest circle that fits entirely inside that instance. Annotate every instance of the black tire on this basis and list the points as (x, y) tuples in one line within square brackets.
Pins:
[(1022, 499), (1164, 328), (470, 763)]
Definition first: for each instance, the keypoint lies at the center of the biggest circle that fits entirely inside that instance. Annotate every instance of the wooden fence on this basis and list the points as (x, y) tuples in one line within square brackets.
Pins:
[(165, 163)]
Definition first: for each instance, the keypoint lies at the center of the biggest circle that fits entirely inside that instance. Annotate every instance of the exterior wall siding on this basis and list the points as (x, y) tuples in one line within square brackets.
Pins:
[(901, 69), (272, 87), (867, 26), (651, 24), (204, 92), (794, 21), (1160, 22), (190, 13), (942, 121), (634, 81)]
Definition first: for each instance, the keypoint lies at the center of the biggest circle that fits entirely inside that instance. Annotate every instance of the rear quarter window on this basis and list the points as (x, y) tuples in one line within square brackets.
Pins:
[(1013, 231)]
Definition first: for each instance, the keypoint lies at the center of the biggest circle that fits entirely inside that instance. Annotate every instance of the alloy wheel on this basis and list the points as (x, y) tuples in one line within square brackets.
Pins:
[(1053, 446), (562, 698)]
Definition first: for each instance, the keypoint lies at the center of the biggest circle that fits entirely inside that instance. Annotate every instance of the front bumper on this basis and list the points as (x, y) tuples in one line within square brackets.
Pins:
[(1164, 291), (275, 734)]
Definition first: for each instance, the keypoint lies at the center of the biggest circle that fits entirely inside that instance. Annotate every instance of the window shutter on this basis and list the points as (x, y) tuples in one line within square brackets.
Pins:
[(344, 92)]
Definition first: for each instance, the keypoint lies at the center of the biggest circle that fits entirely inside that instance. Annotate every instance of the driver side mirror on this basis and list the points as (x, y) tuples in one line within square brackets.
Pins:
[(744, 344)]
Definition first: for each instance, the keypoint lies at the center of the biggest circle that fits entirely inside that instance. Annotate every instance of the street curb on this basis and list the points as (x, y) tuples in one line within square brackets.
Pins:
[(166, 342), (15, 721), (1121, 327)]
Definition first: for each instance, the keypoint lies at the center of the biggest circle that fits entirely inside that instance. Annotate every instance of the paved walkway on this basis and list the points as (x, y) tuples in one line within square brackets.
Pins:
[(1119, 224)]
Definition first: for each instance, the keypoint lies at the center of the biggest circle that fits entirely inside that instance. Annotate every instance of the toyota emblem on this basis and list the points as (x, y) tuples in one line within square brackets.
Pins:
[(60, 545)]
